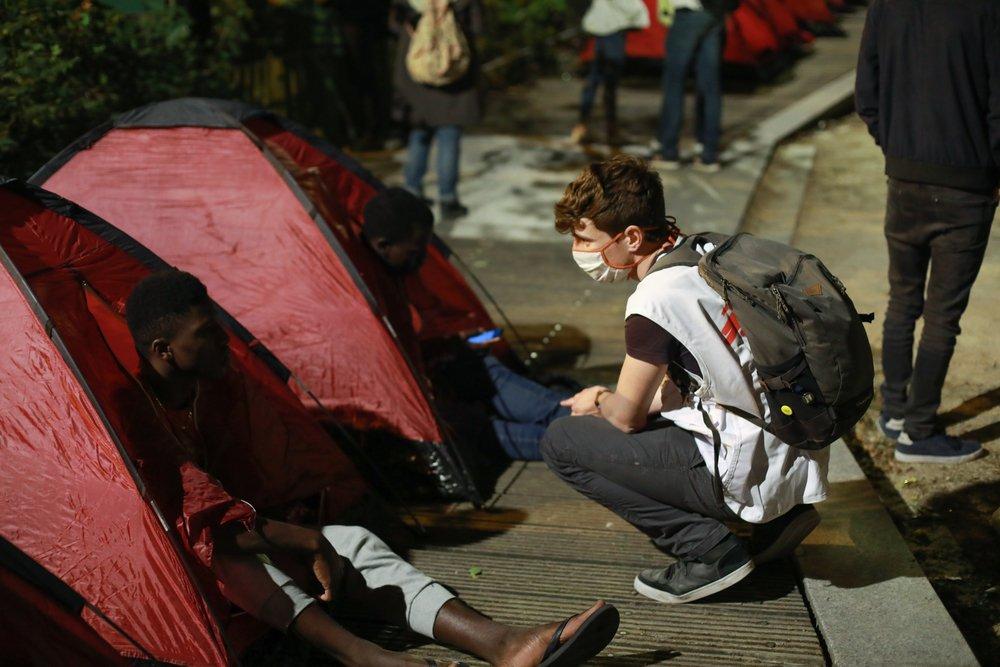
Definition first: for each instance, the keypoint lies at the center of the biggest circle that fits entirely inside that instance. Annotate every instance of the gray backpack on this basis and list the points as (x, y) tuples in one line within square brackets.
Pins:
[(808, 342)]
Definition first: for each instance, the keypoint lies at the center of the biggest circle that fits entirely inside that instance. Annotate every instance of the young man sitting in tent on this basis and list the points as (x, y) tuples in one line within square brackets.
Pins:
[(183, 348), (397, 228)]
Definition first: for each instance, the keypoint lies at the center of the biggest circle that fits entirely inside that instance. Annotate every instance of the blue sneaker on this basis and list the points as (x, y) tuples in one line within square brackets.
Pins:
[(939, 448), (891, 427)]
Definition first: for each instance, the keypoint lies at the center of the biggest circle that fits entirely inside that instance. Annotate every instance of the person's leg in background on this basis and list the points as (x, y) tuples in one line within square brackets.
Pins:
[(520, 399), (520, 442), (682, 38), (708, 65), (449, 138), (588, 95), (909, 256), (417, 152), (961, 228), (614, 64)]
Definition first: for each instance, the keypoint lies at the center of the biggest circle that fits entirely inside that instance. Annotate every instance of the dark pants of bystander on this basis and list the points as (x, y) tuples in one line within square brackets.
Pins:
[(945, 230)]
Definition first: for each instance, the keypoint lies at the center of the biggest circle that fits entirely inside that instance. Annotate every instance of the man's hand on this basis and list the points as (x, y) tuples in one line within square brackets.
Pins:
[(584, 401), (328, 566)]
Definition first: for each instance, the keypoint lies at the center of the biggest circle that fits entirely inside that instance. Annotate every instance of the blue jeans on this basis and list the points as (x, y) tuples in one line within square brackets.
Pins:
[(694, 35), (522, 411), (606, 68), (418, 150)]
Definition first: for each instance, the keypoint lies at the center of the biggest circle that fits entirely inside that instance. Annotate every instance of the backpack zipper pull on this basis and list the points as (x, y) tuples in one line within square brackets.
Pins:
[(780, 302)]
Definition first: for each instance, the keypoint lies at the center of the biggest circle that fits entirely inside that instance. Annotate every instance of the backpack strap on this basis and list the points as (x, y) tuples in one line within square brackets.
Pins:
[(684, 253)]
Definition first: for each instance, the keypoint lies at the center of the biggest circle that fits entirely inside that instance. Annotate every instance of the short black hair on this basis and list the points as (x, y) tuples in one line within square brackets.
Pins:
[(158, 303), (396, 215)]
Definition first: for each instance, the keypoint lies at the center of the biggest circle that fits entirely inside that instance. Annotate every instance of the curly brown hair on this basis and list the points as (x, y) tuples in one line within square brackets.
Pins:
[(616, 194)]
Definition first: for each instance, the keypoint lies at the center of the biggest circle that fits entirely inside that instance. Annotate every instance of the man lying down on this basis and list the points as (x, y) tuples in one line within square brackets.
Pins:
[(183, 348)]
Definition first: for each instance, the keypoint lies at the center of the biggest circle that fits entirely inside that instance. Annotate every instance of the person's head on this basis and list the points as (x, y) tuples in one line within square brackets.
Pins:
[(174, 328), (398, 226), (616, 215)]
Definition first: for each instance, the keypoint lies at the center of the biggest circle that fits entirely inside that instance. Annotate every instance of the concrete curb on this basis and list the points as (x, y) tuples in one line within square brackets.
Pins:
[(871, 601)]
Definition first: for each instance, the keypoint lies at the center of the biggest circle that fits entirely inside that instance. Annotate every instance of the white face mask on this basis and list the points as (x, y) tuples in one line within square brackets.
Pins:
[(595, 264)]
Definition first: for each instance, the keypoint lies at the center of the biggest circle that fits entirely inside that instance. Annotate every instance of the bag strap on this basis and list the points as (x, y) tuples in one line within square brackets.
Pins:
[(717, 440), (684, 253)]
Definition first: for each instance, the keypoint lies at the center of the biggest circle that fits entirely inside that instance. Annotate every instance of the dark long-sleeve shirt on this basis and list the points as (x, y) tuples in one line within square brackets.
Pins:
[(928, 87)]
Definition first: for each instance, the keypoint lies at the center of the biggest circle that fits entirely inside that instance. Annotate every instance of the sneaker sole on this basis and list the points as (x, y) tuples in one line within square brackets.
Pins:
[(733, 577), (789, 538), (946, 460)]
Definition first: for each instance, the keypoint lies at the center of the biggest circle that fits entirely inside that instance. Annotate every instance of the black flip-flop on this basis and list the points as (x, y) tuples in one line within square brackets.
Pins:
[(594, 634)]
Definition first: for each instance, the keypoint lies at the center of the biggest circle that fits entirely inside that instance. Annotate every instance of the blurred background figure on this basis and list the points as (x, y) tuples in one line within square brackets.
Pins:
[(436, 113), (696, 29), (608, 21)]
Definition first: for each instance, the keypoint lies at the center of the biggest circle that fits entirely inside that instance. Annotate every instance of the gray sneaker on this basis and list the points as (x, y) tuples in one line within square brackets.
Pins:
[(687, 580)]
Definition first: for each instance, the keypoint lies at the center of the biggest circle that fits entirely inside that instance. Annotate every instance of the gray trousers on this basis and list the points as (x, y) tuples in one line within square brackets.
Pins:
[(655, 479), (377, 583)]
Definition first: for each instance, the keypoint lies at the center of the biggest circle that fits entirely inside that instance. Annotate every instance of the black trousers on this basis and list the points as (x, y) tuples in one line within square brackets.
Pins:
[(946, 230), (655, 479)]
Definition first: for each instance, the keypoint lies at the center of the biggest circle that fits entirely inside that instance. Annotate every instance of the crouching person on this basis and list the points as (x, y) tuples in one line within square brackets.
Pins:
[(646, 450), (281, 573)]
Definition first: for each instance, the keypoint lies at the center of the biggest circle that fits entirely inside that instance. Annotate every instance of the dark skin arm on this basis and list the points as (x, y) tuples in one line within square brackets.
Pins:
[(274, 537)]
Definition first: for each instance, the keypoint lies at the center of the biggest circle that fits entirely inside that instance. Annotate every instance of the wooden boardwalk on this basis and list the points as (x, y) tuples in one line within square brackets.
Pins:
[(542, 552)]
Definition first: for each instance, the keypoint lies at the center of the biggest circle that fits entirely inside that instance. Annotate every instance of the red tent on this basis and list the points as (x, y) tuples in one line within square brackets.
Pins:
[(40, 621), (443, 304), (74, 422), (209, 186)]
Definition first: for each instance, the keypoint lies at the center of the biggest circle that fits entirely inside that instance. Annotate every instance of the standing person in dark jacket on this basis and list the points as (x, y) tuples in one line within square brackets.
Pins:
[(437, 112), (928, 87)]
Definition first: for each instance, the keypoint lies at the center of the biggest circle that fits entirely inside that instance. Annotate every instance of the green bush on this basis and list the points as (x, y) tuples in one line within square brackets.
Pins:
[(67, 66)]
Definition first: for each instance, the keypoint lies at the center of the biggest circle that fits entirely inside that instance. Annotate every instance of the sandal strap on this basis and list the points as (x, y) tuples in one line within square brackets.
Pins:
[(554, 642)]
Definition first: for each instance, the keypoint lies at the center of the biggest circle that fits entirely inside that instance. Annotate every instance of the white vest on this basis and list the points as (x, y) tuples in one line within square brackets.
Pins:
[(762, 477)]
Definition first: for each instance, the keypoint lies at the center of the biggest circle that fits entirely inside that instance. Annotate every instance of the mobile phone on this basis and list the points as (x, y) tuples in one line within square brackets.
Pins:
[(487, 336)]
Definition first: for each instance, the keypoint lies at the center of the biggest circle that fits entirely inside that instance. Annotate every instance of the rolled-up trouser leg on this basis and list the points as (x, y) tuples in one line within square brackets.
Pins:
[(260, 589), (381, 568)]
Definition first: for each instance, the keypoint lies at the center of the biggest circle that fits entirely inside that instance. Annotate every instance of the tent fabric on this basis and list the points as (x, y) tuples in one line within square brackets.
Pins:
[(443, 304), (197, 197), (270, 218), (265, 447), (69, 494), (40, 621)]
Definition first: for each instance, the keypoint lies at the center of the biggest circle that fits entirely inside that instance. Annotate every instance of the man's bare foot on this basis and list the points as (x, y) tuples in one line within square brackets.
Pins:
[(525, 647)]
